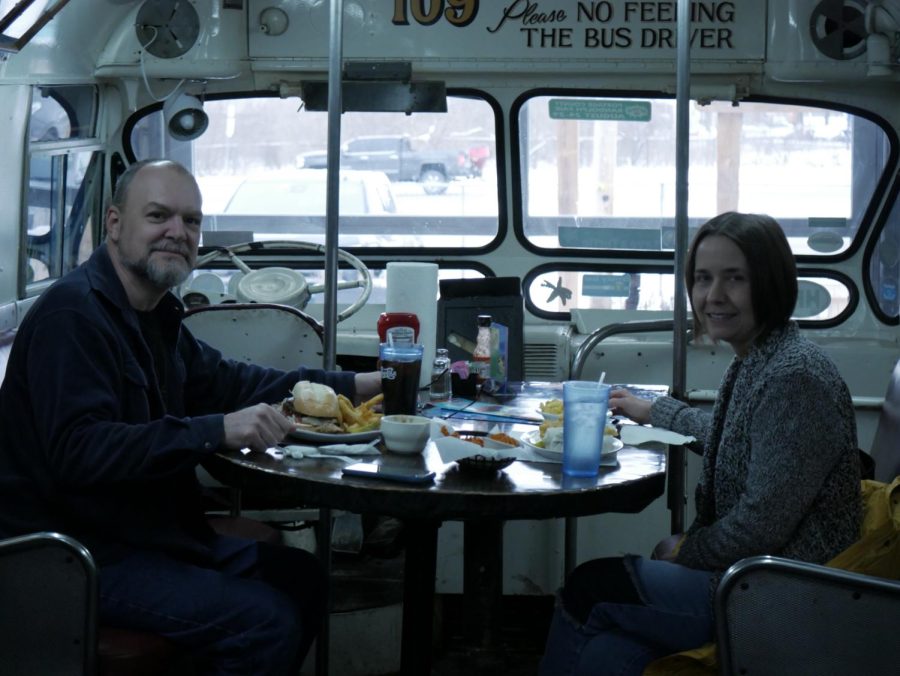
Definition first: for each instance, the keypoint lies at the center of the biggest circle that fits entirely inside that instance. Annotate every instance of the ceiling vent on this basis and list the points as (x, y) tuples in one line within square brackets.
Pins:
[(167, 28), (838, 28)]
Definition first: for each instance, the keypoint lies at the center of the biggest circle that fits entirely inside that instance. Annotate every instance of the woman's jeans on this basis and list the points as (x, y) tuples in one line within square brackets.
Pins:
[(255, 609), (621, 639)]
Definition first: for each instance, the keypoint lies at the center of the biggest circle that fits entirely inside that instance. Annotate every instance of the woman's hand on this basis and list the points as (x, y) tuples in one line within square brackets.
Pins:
[(623, 402), (667, 549)]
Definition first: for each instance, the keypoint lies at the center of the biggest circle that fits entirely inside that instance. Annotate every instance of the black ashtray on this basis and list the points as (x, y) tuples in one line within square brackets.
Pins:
[(483, 464)]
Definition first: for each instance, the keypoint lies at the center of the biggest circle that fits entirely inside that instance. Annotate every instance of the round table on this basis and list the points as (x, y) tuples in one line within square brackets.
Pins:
[(483, 502)]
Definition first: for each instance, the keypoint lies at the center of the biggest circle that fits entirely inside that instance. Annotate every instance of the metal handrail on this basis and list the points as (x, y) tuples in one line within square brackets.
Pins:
[(604, 332)]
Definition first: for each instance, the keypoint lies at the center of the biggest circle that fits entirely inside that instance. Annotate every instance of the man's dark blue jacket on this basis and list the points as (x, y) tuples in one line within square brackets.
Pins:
[(89, 447)]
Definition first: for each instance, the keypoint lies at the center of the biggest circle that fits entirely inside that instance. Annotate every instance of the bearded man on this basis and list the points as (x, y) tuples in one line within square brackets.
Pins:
[(107, 407)]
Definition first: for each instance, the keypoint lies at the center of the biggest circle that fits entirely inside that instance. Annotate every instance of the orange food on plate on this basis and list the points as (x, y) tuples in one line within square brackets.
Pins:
[(503, 438), (472, 439)]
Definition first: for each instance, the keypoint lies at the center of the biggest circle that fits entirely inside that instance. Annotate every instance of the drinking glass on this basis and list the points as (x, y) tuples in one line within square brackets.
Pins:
[(400, 369), (584, 420)]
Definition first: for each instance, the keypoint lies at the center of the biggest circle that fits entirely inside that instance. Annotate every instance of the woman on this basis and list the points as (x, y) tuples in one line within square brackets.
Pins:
[(780, 466)]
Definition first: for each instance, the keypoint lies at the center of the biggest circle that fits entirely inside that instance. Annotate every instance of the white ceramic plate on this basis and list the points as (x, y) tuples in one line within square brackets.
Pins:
[(529, 439), (321, 438)]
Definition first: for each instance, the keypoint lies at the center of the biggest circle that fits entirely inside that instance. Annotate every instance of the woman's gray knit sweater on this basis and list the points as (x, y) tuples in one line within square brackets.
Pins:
[(780, 461)]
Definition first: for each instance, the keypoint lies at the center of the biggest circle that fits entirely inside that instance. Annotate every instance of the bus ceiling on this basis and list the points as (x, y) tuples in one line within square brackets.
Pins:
[(243, 40)]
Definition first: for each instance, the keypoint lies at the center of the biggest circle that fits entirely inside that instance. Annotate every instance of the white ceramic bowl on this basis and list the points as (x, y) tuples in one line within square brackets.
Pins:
[(405, 433)]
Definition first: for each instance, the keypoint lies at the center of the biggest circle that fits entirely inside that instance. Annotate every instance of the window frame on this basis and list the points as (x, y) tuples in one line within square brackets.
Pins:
[(66, 240)]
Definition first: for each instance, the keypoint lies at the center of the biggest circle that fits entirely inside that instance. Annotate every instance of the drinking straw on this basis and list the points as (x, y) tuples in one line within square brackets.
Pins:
[(602, 378)]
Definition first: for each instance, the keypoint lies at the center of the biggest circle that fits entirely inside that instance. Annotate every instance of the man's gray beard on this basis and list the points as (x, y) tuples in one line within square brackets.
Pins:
[(161, 276)]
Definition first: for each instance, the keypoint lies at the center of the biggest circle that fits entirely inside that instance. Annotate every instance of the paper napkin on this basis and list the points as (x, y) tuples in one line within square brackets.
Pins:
[(635, 435)]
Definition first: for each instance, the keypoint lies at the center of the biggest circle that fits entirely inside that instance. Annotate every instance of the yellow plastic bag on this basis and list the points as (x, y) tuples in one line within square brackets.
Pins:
[(877, 553), (697, 662)]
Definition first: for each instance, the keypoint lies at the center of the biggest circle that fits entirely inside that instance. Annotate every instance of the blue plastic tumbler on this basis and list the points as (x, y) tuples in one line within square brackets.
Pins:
[(584, 420)]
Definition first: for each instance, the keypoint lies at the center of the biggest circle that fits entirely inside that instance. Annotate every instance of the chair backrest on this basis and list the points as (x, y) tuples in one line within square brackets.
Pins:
[(778, 616), (48, 606), (886, 445), (277, 336)]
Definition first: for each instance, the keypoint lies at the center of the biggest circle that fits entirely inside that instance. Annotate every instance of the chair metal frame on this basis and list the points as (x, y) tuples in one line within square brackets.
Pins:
[(48, 606), (885, 447), (780, 616), (245, 332), (256, 341)]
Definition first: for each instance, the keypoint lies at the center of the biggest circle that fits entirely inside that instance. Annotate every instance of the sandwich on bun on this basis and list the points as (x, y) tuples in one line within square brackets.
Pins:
[(314, 407)]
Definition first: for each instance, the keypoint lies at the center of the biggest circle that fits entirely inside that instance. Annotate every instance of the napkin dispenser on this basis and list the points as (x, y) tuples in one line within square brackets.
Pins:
[(462, 300)]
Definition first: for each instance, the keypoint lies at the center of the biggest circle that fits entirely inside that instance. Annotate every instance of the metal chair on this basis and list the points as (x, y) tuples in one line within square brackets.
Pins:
[(277, 336), (779, 616), (272, 335), (48, 606), (49, 614)]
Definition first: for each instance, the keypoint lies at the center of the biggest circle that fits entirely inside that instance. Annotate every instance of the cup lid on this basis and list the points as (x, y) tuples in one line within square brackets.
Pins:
[(400, 335)]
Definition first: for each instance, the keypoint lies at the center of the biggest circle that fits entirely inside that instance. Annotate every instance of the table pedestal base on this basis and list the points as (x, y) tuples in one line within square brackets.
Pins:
[(482, 582), (418, 597)]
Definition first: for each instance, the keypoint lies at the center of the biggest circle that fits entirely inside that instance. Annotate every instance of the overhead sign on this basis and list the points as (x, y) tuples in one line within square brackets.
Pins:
[(599, 109), (584, 34)]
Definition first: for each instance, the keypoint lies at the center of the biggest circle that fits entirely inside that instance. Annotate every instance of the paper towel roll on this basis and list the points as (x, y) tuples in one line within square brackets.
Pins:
[(413, 287)]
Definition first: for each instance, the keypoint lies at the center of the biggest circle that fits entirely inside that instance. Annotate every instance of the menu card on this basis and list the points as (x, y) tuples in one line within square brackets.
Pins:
[(467, 409)]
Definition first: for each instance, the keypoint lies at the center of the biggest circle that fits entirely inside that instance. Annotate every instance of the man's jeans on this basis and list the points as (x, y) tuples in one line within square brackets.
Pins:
[(256, 611)]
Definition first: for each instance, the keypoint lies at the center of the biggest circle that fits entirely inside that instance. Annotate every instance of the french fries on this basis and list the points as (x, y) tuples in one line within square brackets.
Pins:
[(553, 406), (359, 418)]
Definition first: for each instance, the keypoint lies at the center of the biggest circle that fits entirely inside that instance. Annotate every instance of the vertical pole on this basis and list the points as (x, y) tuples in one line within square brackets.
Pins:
[(332, 201), (333, 183), (682, 164)]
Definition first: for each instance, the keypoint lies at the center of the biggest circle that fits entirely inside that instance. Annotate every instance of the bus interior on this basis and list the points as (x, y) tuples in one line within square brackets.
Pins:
[(528, 139)]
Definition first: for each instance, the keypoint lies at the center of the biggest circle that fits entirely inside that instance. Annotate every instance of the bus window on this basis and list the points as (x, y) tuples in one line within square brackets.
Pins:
[(560, 291), (63, 200), (420, 180), (554, 292), (600, 173), (65, 112)]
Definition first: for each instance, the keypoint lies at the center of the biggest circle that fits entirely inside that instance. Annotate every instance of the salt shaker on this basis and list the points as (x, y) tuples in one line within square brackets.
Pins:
[(440, 376)]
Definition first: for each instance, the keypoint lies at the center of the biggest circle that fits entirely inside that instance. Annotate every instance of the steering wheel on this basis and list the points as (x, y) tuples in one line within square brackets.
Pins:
[(284, 285)]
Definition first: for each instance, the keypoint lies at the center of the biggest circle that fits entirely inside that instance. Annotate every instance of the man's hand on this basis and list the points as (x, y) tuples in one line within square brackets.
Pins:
[(257, 428), (367, 385)]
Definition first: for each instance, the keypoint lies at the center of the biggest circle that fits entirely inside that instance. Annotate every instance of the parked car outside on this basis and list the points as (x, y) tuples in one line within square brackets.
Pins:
[(303, 193), (400, 160)]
